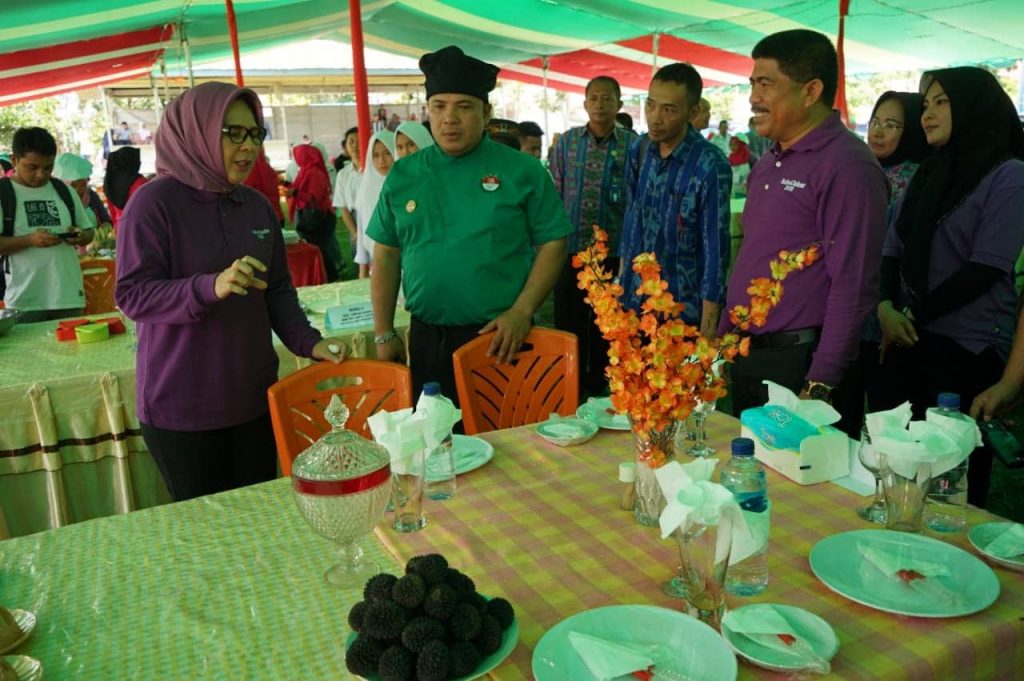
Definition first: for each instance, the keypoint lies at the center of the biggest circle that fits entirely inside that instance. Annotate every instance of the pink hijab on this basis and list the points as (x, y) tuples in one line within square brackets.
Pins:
[(188, 141)]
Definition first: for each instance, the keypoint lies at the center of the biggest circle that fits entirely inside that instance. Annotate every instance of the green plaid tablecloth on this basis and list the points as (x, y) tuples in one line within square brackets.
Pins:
[(225, 587)]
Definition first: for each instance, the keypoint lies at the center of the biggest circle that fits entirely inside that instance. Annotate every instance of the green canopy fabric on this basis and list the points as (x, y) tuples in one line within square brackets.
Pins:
[(81, 43)]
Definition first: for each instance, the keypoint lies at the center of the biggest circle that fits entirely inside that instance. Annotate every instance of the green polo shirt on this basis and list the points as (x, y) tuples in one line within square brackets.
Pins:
[(467, 227)]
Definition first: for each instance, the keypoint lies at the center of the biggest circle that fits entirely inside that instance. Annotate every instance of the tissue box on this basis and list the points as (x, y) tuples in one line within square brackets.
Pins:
[(792, 446)]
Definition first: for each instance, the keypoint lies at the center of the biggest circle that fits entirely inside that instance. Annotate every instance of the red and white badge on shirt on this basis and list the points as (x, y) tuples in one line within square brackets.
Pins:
[(490, 183)]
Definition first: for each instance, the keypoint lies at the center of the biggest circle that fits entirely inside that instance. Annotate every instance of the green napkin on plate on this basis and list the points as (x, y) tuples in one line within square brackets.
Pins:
[(918, 573), (608, 660), (769, 627), (1008, 544)]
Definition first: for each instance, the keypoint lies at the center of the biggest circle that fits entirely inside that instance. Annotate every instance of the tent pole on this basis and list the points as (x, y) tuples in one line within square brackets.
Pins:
[(547, 130), (1020, 84), (844, 9), (188, 55), (654, 54), (157, 104), (355, 18), (106, 110), (233, 32), (163, 72)]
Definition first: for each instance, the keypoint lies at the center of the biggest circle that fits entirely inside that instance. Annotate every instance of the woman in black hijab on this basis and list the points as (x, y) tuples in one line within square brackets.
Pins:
[(121, 179), (896, 138), (948, 299)]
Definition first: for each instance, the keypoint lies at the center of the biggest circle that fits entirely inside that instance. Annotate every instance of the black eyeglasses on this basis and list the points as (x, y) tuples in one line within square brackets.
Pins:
[(887, 125), (238, 133)]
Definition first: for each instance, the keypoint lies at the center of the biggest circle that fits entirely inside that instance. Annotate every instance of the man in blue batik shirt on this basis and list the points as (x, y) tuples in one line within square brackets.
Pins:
[(679, 188)]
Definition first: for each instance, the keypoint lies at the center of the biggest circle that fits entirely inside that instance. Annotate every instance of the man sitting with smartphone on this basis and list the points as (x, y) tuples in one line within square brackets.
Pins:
[(42, 222)]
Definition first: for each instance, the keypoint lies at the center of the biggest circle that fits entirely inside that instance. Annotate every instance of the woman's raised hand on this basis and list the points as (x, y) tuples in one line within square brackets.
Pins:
[(240, 277)]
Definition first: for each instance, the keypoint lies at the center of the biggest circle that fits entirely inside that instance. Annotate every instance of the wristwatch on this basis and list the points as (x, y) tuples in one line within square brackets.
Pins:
[(818, 391), (385, 337)]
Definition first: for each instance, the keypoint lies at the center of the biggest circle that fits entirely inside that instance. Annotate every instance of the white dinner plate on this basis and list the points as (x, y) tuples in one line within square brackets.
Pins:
[(981, 535), (837, 561), (677, 642), (469, 453), (598, 410), (26, 621)]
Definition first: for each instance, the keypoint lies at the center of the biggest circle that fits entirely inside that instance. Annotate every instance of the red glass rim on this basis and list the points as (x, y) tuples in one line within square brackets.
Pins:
[(335, 488)]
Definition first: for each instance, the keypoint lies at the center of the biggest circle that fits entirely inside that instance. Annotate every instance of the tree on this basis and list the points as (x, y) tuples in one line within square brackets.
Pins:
[(39, 112)]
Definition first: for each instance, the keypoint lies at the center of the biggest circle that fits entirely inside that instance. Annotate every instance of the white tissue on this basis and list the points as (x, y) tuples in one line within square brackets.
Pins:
[(402, 435), (816, 412), (692, 498), (940, 441)]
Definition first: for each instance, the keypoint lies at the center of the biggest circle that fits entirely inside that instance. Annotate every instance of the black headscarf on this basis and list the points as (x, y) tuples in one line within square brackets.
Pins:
[(913, 146), (122, 171), (985, 132)]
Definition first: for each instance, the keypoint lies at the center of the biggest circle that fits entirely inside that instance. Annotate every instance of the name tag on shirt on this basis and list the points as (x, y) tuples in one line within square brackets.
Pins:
[(351, 316)]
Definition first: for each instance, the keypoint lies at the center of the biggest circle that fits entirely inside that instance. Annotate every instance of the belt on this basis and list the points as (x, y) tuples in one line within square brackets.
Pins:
[(784, 339)]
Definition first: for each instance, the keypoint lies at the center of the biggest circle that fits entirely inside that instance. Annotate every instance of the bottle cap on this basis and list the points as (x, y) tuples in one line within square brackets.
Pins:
[(949, 401), (432, 388), (742, 446), (627, 472)]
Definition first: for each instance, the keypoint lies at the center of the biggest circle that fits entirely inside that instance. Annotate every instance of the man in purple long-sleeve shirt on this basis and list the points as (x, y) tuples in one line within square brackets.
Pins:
[(818, 183)]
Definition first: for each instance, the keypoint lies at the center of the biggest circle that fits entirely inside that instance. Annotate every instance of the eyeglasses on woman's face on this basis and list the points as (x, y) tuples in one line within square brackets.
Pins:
[(238, 133), (887, 126)]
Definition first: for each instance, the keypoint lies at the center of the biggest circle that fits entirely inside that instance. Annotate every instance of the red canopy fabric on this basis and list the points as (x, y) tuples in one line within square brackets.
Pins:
[(630, 62), (42, 72)]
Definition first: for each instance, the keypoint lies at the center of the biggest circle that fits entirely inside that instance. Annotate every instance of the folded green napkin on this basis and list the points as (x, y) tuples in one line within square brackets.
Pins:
[(769, 627), (917, 573), (1009, 543), (608, 660), (564, 429)]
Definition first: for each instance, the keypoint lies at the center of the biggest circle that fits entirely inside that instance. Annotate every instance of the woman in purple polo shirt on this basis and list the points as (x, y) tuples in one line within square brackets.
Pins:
[(948, 301), (201, 269)]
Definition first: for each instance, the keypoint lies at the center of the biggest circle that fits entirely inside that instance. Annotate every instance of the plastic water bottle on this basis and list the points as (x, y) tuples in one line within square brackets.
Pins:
[(744, 476), (440, 462), (945, 508)]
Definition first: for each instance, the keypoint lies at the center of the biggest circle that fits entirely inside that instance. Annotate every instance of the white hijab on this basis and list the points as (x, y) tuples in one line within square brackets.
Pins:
[(417, 133), (369, 191), (372, 181)]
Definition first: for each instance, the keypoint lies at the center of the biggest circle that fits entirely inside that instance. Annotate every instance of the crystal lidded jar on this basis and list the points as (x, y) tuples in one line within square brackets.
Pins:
[(342, 483)]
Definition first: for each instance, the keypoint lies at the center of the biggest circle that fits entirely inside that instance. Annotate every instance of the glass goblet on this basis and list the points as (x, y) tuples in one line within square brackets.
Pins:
[(868, 455), (699, 415)]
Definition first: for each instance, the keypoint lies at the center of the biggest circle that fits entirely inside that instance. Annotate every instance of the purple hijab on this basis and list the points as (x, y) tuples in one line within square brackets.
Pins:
[(187, 142)]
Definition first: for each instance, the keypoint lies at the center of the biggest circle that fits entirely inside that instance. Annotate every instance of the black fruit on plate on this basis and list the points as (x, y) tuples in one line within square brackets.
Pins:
[(430, 624)]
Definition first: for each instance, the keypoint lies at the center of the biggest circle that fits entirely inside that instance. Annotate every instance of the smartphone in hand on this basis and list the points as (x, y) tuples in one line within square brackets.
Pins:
[(1003, 442)]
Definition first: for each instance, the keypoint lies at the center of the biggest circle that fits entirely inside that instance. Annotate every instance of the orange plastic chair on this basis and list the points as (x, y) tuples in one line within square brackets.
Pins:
[(542, 378), (99, 278), (297, 401)]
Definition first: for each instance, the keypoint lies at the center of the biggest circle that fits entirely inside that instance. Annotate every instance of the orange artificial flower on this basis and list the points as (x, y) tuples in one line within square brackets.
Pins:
[(660, 368)]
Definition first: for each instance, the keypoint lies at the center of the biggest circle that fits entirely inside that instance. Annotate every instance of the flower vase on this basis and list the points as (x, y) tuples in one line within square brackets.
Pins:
[(704, 552), (653, 450)]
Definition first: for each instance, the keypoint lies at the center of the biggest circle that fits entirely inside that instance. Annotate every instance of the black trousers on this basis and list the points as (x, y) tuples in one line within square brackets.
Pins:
[(938, 364), (194, 464), (788, 367), (574, 315), (430, 354)]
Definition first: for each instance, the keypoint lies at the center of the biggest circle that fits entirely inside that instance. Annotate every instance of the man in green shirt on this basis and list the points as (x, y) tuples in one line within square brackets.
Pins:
[(474, 230)]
